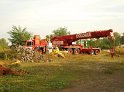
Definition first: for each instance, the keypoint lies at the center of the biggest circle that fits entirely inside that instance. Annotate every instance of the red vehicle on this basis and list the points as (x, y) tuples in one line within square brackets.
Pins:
[(37, 44), (65, 42)]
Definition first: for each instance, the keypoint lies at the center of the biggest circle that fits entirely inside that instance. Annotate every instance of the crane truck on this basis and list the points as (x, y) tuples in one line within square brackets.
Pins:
[(65, 42)]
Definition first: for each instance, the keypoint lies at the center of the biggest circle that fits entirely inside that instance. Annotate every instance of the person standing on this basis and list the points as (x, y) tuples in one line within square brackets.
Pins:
[(112, 52)]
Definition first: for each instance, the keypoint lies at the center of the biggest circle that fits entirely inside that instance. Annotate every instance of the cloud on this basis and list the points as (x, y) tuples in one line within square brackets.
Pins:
[(62, 10)]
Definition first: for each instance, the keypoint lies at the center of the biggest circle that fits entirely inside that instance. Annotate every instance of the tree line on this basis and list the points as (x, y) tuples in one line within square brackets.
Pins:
[(18, 35)]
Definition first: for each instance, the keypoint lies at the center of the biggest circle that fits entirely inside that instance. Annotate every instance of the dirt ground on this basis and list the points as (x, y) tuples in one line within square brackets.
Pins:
[(109, 83)]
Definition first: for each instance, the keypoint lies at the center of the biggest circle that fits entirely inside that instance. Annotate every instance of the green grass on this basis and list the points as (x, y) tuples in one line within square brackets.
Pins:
[(61, 73)]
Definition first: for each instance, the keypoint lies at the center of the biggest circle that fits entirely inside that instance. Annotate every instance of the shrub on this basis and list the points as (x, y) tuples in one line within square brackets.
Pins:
[(119, 51)]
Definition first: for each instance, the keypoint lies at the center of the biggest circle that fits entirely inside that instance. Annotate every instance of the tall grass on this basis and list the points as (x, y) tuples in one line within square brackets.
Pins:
[(60, 73)]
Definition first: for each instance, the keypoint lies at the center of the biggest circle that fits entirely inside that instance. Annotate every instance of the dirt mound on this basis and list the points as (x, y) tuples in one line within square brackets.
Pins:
[(8, 71)]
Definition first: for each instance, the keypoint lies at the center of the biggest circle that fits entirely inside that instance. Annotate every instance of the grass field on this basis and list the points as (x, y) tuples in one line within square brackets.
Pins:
[(75, 73)]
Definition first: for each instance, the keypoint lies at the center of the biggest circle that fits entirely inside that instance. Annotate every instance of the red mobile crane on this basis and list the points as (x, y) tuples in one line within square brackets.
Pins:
[(65, 42)]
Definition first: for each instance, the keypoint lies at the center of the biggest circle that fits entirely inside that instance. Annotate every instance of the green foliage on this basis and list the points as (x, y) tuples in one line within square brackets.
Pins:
[(3, 48), (117, 38), (18, 35), (8, 54), (106, 43), (122, 39), (49, 37), (3, 56), (61, 31), (3, 45)]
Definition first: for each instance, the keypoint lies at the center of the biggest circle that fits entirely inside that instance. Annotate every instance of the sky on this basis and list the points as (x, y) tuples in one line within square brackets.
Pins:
[(41, 17)]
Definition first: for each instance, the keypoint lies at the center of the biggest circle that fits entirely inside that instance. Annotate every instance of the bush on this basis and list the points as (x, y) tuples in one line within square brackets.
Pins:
[(2, 55), (7, 55), (119, 51)]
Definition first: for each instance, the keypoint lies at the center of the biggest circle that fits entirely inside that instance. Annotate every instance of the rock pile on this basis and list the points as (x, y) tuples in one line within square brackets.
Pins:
[(28, 55)]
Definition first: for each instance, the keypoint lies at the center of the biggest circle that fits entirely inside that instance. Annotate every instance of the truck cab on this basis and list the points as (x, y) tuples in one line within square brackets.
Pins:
[(30, 44), (37, 44)]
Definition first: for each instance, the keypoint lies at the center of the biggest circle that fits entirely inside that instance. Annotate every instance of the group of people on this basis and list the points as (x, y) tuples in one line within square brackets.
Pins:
[(54, 50)]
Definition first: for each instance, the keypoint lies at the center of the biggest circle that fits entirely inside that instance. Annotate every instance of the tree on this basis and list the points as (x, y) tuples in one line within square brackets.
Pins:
[(61, 31), (18, 35), (3, 44), (49, 37), (122, 39), (106, 43), (117, 39)]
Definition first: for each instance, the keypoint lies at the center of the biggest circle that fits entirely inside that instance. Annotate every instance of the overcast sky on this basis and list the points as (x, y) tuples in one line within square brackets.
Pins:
[(43, 16)]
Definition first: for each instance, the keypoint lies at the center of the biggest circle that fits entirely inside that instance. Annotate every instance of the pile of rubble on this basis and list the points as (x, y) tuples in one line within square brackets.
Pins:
[(27, 55)]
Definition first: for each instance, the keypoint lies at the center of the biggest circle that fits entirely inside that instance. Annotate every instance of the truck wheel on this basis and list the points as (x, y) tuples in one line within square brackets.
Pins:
[(96, 52), (76, 51), (38, 49), (70, 51)]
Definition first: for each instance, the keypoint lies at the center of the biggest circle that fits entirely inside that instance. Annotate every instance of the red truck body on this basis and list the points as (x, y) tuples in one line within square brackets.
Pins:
[(65, 42), (37, 44)]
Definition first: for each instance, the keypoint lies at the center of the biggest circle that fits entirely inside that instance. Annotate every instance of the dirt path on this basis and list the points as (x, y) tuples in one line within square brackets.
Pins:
[(108, 83)]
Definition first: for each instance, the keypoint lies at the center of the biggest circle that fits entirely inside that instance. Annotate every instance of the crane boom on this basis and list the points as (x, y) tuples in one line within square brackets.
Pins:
[(68, 39)]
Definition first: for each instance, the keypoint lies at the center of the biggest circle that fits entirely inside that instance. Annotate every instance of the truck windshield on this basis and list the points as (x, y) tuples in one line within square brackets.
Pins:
[(29, 43)]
